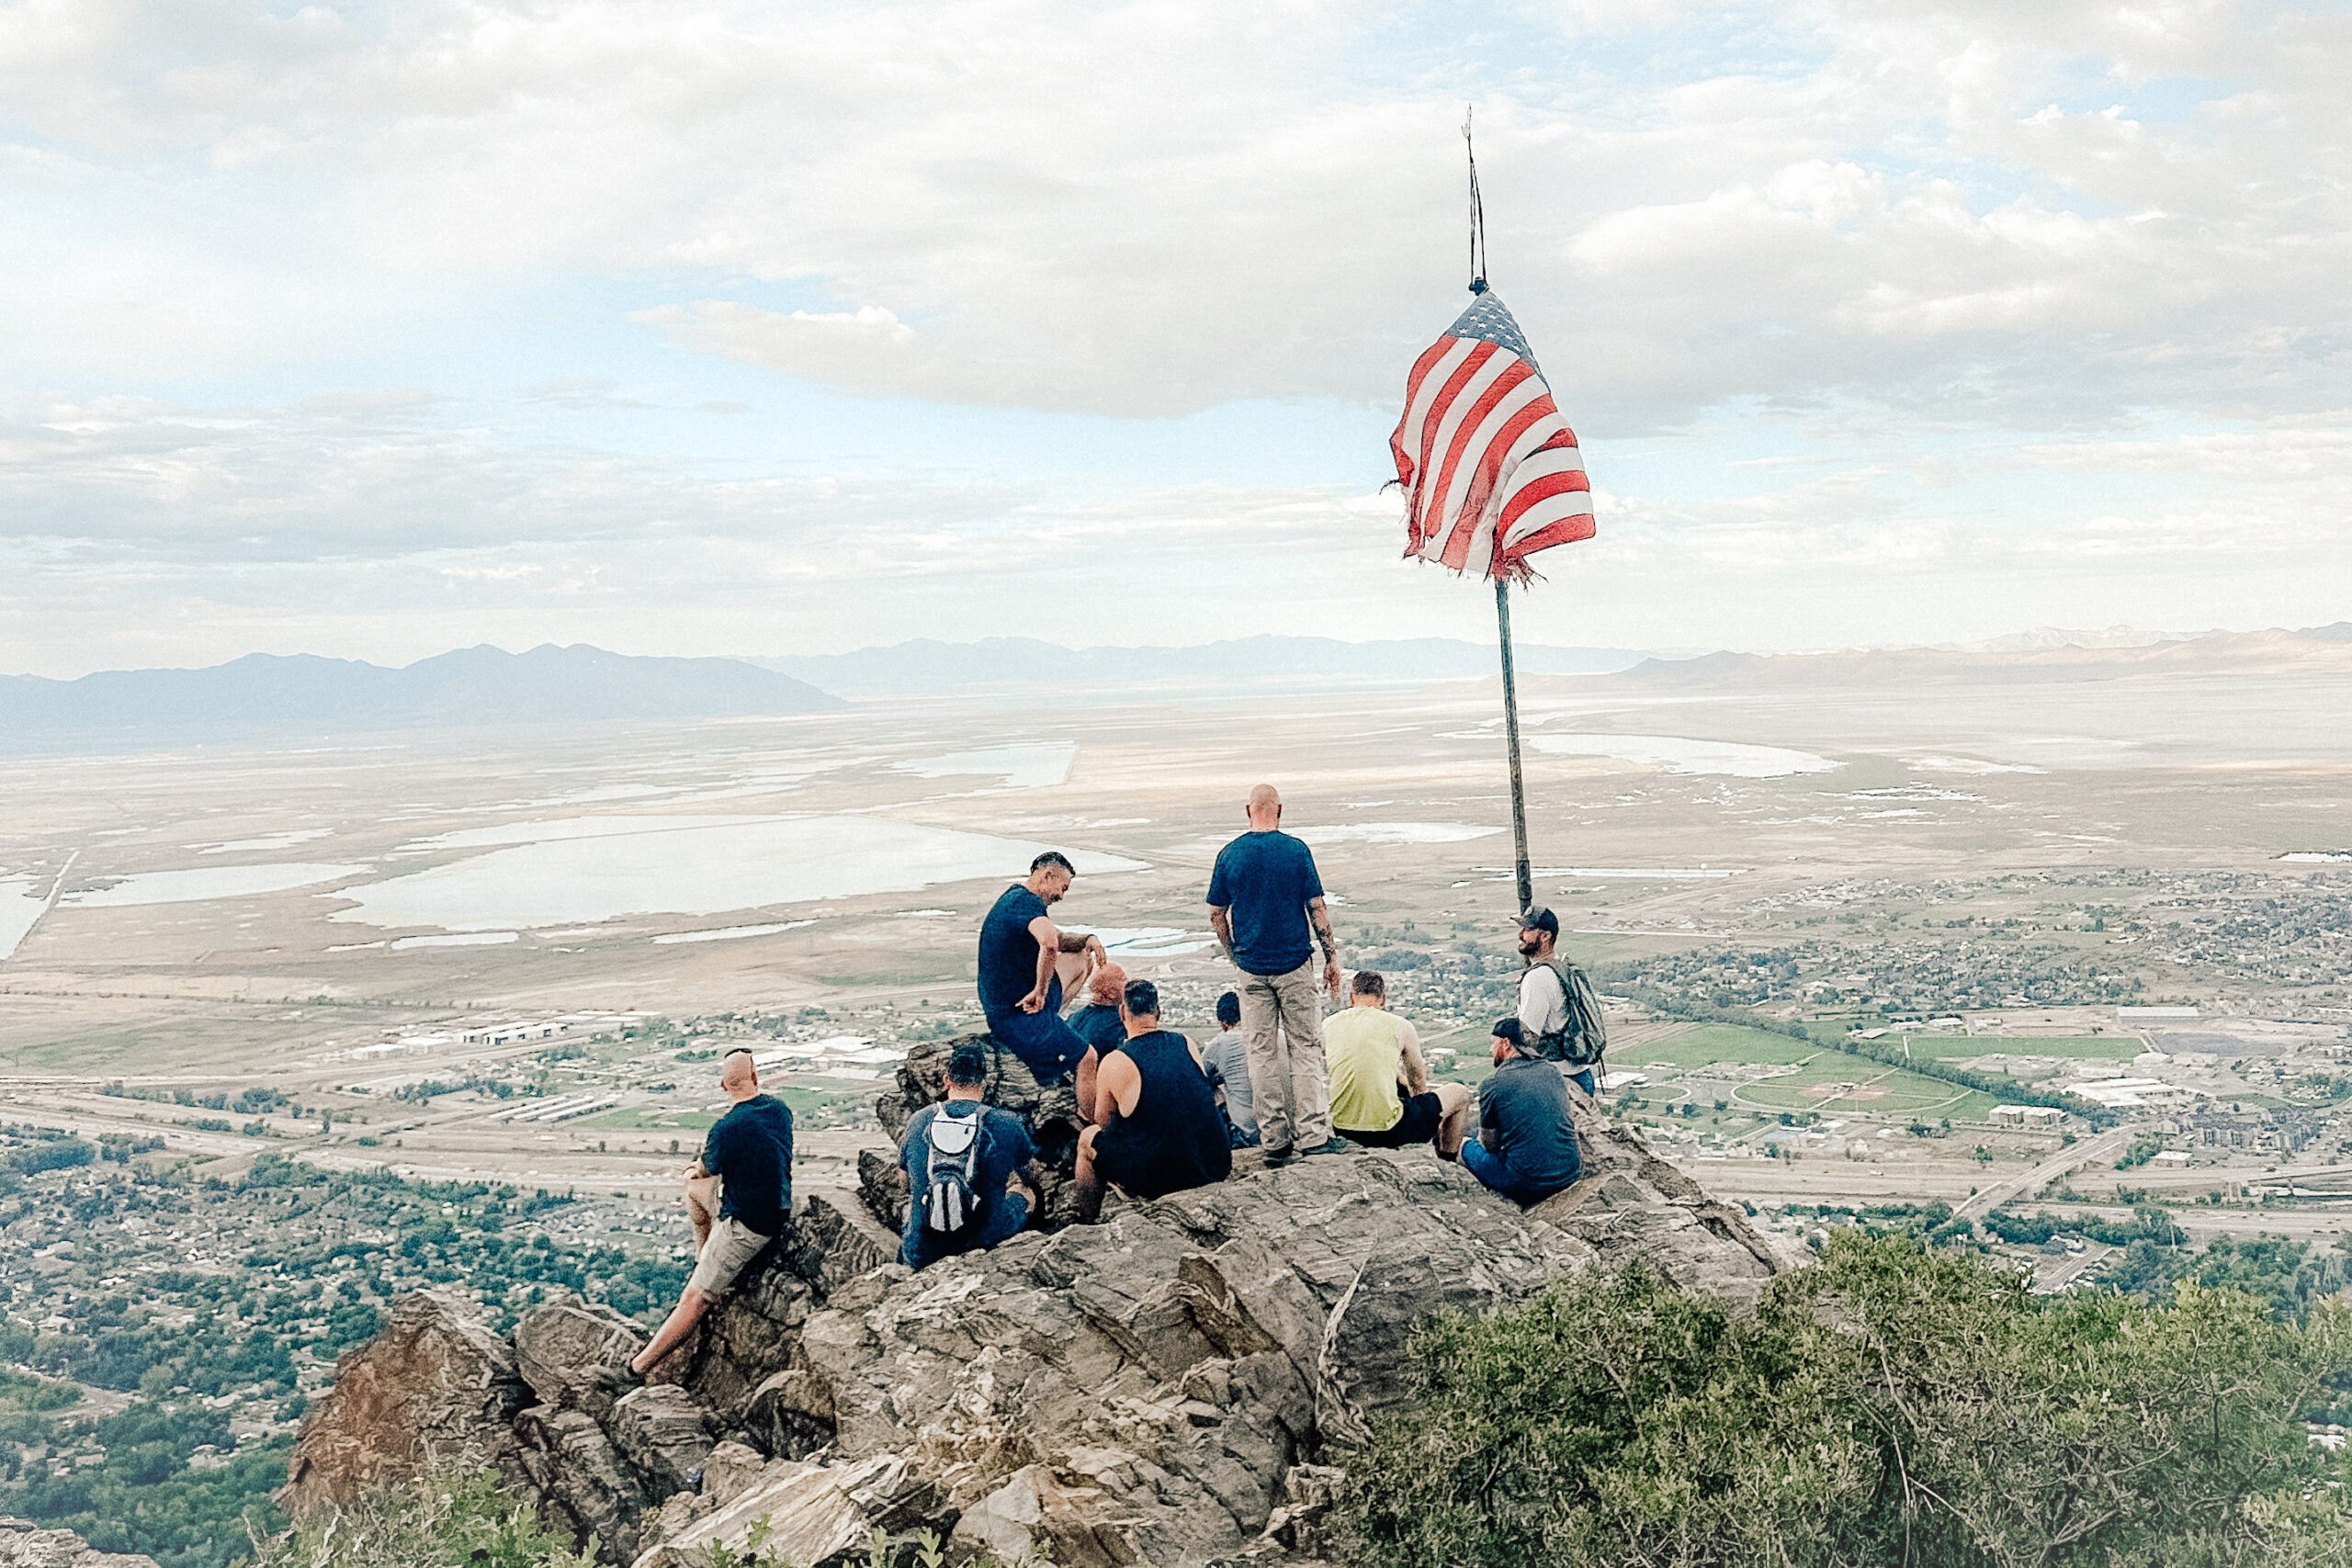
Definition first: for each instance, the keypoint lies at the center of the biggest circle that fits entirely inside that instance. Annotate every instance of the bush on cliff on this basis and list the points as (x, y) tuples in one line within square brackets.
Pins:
[(454, 1516), (1890, 1405)]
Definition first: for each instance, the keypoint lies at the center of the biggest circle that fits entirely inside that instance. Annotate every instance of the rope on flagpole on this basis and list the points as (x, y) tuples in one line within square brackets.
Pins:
[(1477, 211)]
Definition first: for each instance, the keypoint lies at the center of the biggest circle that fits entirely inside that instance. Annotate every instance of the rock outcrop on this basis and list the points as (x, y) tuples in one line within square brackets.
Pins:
[(24, 1545), (1178, 1384)]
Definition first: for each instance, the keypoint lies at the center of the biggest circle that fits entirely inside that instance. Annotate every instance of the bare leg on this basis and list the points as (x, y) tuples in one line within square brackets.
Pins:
[(1088, 1065), (681, 1322), (702, 1206), (1087, 1206), (1453, 1101)]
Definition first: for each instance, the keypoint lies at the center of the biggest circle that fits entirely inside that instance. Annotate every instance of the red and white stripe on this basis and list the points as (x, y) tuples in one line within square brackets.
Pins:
[(1485, 457)]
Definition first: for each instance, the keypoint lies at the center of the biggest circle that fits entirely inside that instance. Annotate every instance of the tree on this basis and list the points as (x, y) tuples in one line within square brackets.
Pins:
[(1891, 1405)]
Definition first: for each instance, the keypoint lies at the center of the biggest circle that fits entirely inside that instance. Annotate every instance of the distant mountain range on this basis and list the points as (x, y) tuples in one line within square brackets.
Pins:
[(267, 696), (2027, 658), (1039, 671)]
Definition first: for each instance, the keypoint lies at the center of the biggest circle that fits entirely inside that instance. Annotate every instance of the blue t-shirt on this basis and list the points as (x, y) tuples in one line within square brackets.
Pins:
[(750, 1150), (1004, 1148), (1008, 953), (1265, 880), (1100, 1026)]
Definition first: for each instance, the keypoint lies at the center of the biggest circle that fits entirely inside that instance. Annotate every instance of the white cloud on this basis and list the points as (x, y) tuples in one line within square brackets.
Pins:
[(1820, 238)]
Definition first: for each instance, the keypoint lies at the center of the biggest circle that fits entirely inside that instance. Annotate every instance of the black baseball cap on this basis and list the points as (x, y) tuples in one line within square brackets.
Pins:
[(1539, 918)]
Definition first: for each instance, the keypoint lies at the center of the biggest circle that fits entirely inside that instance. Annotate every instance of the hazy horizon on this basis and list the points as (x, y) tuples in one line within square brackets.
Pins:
[(2089, 638)]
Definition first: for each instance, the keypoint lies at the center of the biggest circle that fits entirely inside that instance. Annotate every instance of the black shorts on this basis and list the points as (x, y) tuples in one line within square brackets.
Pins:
[(1418, 1125), (1149, 1168)]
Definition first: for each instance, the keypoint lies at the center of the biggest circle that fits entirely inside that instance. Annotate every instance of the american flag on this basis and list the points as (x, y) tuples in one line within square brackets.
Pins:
[(1491, 471)]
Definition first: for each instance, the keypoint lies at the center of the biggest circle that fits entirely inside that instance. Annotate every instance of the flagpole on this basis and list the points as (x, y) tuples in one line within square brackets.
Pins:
[(1502, 584), (1510, 728)]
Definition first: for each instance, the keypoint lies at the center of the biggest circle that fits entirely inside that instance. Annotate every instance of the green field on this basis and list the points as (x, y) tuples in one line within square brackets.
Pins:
[(639, 1120), (1880, 1090)]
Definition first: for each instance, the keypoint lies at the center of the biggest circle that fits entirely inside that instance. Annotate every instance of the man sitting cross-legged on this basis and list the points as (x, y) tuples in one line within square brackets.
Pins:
[(1372, 1054), (960, 1157), (1526, 1148), (1155, 1126), (739, 1196)]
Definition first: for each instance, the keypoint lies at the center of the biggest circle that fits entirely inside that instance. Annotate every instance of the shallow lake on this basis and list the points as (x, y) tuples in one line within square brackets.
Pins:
[(208, 882), (18, 911), (690, 865)]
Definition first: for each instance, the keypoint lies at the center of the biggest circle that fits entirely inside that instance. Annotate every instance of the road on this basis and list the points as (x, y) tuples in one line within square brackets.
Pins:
[(2048, 1171)]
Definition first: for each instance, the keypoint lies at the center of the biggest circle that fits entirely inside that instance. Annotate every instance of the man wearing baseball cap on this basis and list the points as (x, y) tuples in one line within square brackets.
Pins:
[(1557, 1011)]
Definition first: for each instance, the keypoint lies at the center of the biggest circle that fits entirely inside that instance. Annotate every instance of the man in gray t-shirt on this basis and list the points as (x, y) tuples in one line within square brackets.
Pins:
[(1225, 1059)]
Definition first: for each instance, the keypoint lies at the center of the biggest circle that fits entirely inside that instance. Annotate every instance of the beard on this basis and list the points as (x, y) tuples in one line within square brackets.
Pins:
[(1530, 947)]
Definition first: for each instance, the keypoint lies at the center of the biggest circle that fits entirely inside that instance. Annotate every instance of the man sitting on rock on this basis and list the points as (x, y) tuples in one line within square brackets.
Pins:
[(1227, 1059), (1526, 1147), (1100, 1025), (1156, 1127), (1373, 1054), (739, 1196), (1021, 994), (960, 1158)]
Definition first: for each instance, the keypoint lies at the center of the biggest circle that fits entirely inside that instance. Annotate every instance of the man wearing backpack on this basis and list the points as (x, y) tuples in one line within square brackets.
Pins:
[(1557, 1009), (960, 1158)]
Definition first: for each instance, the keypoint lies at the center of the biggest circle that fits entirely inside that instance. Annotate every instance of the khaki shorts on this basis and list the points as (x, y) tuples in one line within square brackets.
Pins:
[(732, 1245)]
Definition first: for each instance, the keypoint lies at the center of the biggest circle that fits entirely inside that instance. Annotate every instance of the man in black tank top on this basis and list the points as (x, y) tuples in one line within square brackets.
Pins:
[(1157, 1129)]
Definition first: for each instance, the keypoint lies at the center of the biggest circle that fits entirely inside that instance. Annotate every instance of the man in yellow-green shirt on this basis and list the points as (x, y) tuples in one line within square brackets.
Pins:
[(1381, 1093)]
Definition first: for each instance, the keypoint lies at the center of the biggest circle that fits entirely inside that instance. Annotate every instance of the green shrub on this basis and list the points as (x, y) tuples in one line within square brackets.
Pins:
[(1891, 1405), (456, 1515)]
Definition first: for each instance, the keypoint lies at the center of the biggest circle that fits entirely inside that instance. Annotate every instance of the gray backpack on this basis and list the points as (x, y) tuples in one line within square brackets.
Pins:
[(952, 1171), (1584, 1036)]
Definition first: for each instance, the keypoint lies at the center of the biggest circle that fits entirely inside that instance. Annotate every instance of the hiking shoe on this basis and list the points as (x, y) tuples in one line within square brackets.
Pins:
[(1277, 1158), (1332, 1146), (616, 1379)]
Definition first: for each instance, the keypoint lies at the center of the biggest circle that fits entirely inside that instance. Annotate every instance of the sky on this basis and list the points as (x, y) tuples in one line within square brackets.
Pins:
[(696, 327)]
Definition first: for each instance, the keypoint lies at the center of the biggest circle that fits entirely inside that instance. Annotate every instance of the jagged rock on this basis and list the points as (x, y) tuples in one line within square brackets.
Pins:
[(791, 1415), (560, 1347), (23, 1545), (663, 1436), (730, 1471), (808, 1515), (1163, 1371), (842, 1238), (1631, 1204), (1301, 1522), (882, 1189), (1033, 1518), (435, 1381), (581, 1480)]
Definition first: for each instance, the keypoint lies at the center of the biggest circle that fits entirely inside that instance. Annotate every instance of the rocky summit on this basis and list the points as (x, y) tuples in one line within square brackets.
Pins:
[(1180, 1384)]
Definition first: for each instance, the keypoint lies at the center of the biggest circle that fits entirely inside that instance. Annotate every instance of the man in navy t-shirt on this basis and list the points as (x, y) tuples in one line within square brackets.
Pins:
[(1020, 994), (1003, 1199), (1266, 906)]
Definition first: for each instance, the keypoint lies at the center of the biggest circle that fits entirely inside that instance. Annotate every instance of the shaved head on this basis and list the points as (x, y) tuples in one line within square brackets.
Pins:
[(737, 1075), (1265, 807), (1264, 795)]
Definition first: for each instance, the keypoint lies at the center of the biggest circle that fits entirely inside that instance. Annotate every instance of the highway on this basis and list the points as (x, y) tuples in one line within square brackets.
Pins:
[(2067, 1159)]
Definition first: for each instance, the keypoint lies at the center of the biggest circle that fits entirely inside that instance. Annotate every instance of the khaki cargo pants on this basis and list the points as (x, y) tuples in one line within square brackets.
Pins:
[(1282, 1033)]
